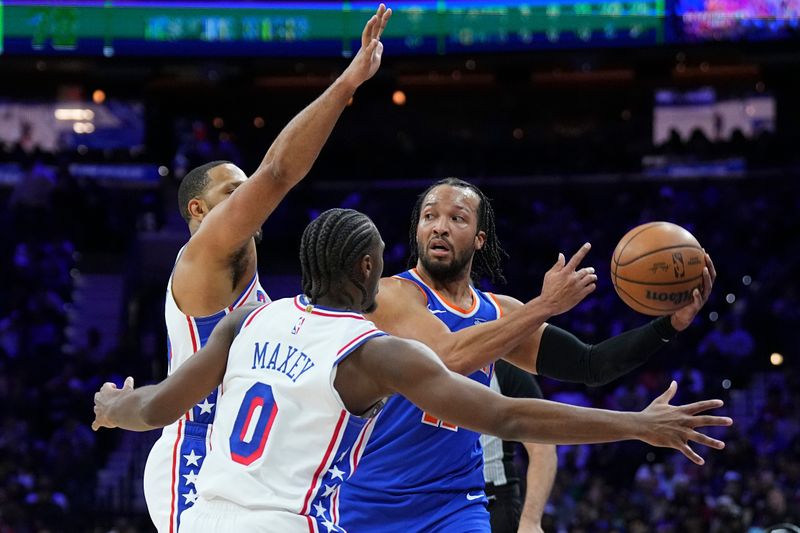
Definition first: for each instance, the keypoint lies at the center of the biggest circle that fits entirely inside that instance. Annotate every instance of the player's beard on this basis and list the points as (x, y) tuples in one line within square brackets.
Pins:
[(445, 272)]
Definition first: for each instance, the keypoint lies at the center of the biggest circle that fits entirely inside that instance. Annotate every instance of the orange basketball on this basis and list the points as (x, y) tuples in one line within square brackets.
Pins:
[(656, 266)]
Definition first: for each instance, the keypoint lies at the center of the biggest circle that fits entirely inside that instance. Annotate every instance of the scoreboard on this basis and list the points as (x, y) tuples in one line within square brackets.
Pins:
[(205, 27)]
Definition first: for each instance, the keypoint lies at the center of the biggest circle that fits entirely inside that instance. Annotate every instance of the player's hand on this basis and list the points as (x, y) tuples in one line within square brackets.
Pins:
[(565, 285), (366, 62), (682, 318), (670, 426), (104, 399)]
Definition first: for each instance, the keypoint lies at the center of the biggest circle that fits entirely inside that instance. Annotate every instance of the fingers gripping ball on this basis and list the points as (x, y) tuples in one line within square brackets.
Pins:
[(656, 266)]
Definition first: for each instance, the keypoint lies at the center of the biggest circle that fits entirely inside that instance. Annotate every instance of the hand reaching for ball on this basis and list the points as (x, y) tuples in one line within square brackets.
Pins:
[(683, 317)]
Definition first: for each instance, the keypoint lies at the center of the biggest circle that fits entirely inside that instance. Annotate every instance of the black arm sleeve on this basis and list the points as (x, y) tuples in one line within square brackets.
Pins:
[(515, 382), (564, 357)]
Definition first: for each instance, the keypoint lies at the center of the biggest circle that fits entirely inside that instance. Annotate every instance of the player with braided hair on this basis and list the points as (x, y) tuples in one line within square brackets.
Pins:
[(488, 259), (417, 461), (304, 378), (327, 248)]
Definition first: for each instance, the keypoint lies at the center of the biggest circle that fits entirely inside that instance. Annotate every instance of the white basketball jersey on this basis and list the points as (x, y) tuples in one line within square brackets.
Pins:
[(187, 334), (177, 456), (283, 441)]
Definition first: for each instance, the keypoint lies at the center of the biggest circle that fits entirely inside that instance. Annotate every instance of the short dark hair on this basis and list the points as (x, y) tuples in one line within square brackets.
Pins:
[(331, 247), (488, 260), (194, 184)]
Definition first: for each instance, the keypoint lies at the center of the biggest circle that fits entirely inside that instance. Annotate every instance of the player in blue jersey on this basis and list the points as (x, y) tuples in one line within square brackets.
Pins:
[(215, 272), (420, 473), (291, 426)]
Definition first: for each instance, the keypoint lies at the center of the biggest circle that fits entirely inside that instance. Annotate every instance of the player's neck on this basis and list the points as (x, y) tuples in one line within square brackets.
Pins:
[(455, 289), (341, 303)]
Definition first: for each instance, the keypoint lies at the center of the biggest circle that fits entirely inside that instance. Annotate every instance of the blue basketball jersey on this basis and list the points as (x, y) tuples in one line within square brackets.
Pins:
[(419, 472)]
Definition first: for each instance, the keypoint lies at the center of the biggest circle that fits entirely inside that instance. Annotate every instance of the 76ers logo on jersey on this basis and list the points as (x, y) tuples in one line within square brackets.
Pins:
[(300, 322)]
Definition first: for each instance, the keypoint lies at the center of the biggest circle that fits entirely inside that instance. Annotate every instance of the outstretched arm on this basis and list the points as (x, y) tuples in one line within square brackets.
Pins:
[(229, 226), (156, 406), (558, 354), (402, 311), (413, 370)]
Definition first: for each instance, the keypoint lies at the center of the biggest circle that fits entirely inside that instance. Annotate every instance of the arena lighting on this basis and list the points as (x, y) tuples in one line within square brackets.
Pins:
[(776, 359), (83, 127), (73, 114), (399, 98), (99, 96)]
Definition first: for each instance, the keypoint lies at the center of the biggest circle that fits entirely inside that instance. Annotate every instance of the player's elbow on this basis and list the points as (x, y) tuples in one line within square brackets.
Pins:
[(278, 173)]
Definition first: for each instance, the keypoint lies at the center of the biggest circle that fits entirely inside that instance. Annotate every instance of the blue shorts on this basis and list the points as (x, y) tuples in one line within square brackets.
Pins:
[(443, 512)]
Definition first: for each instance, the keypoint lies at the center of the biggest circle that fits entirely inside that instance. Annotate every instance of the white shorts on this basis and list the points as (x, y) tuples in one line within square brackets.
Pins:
[(171, 470), (212, 516)]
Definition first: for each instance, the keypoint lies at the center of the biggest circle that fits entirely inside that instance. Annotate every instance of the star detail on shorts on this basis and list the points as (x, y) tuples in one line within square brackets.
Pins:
[(329, 525), (329, 489), (191, 477), (320, 510), (205, 407), (192, 459), (191, 497), (336, 473)]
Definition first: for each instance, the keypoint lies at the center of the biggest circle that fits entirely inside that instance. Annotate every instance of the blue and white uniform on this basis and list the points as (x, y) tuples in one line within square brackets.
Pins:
[(177, 456), (421, 474), (283, 441)]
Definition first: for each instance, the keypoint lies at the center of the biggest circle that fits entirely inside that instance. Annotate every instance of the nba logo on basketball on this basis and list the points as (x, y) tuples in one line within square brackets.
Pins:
[(296, 328), (677, 264)]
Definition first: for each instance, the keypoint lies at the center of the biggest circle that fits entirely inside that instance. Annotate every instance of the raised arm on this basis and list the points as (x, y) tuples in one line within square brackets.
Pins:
[(410, 368), (402, 311), (156, 406), (229, 226)]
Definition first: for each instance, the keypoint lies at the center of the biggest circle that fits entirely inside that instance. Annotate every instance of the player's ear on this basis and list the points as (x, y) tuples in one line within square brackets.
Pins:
[(197, 208), (480, 240), (367, 264)]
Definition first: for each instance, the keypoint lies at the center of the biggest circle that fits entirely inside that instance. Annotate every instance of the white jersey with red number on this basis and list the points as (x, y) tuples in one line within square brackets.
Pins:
[(176, 457), (283, 441)]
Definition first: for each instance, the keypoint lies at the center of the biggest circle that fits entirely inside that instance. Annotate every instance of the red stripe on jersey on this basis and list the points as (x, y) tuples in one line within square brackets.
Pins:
[(349, 344), (361, 439), (191, 333), (310, 524), (324, 462), (174, 469), (253, 315), (242, 300), (333, 314), (335, 506)]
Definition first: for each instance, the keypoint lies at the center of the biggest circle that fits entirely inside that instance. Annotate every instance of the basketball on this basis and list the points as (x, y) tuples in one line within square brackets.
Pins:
[(656, 266)]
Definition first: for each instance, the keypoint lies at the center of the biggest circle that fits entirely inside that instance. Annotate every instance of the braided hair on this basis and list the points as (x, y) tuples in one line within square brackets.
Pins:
[(489, 258), (193, 185), (330, 249)]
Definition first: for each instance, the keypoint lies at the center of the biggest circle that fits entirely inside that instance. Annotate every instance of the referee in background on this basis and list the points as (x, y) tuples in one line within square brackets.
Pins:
[(511, 510)]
